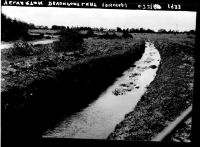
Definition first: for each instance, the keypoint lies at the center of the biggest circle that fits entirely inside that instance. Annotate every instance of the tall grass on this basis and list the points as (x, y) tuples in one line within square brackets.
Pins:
[(21, 48), (69, 40)]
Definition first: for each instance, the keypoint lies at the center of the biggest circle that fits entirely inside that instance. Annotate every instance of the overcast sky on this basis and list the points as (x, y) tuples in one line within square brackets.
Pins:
[(108, 18)]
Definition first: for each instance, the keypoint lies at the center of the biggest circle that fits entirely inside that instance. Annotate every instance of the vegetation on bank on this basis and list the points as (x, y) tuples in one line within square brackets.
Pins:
[(21, 48), (182, 133), (13, 29), (44, 86), (69, 40), (168, 95), (35, 78)]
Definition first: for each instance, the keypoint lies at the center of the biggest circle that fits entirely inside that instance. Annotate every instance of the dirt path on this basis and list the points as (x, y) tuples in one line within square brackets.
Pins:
[(46, 41)]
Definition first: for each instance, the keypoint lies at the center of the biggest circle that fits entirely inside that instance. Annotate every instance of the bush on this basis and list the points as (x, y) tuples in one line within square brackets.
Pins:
[(126, 35), (13, 29), (21, 48), (69, 40), (114, 36), (90, 33), (41, 35), (110, 36), (48, 37)]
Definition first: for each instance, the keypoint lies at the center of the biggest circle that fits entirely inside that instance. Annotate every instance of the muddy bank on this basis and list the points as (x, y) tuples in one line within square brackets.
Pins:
[(168, 95), (27, 112)]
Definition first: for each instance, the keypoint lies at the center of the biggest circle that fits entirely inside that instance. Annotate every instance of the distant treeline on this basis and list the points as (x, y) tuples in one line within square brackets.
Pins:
[(142, 30), (118, 29), (133, 30), (13, 29)]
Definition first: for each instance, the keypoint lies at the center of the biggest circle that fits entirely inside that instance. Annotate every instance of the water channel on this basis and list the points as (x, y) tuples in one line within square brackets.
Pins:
[(99, 119)]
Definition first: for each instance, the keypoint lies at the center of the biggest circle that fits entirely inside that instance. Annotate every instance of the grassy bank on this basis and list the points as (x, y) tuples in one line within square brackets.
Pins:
[(167, 96), (40, 89)]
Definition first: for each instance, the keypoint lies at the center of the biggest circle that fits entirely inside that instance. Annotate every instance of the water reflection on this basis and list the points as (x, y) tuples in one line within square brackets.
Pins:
[(99, 119)]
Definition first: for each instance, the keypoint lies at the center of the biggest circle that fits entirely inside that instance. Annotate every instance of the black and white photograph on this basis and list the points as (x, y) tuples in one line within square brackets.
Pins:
[(97, 73)]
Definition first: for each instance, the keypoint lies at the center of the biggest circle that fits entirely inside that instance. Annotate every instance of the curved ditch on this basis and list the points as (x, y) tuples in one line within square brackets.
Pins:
[(99, 118), (39, 106)]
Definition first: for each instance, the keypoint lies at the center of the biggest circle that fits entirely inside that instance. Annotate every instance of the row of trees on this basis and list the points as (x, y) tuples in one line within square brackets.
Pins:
[(175, 31), (132, 30), (12, 29), (32, 26), (118, 29), (142, 30)]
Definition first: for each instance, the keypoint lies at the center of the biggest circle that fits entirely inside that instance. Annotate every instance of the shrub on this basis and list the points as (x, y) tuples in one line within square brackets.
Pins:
[(119, 29), (90, 33), (126, 35), (69, 40), (48, 37), (21, 48), (13, 29), (41, 35), (116, 36), (109, 36)]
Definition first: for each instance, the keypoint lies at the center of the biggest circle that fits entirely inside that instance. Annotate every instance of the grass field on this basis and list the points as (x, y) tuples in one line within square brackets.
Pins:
[(44, 58), (32, 86)]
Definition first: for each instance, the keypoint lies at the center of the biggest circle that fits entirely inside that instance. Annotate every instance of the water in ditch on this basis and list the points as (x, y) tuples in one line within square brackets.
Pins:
[(99, 119)]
